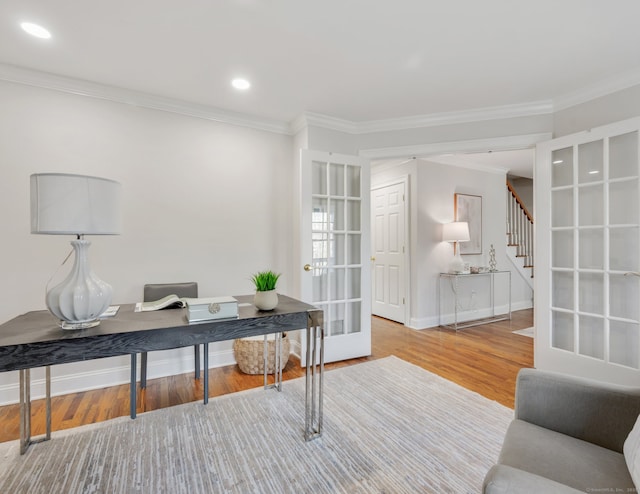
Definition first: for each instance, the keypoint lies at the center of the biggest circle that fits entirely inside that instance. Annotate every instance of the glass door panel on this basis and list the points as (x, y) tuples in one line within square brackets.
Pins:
[(621, 289), (591, 337), (624, 339), (562, 249), (623, 203), (590, 162), (562, 207), (591, 247), (591, 205), (562, 167), (623, 155), (562, 296), (623, 256), (591, 293), (563, 335)]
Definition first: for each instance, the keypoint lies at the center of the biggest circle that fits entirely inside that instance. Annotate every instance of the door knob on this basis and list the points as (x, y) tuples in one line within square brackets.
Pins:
[(373, 258), (307, 267)]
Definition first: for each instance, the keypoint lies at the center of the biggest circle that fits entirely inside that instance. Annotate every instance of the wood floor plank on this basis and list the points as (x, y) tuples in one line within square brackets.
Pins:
[(484, 359)]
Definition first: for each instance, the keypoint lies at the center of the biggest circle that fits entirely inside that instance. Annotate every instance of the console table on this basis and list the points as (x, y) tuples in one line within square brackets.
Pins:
[(454, 281), (34, 340)]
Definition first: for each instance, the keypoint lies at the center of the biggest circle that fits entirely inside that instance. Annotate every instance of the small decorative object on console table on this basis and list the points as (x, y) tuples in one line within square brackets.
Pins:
[(266, 297), (493, 265)]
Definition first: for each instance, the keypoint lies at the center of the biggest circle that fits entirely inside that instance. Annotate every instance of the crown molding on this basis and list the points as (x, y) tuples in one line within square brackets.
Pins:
[(21, 75), (421, 121), (469, 146), (594, 91)]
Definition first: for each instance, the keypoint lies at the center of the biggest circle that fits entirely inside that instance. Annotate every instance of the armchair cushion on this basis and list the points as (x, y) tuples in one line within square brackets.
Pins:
[(632, 452), (564, 459), (599, 413)]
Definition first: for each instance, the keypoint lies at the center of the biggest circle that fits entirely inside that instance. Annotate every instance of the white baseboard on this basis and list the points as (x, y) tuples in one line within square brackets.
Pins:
[(84, 376)]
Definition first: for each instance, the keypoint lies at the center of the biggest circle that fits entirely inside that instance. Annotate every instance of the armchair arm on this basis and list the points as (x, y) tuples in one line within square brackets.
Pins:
[(593, 411)]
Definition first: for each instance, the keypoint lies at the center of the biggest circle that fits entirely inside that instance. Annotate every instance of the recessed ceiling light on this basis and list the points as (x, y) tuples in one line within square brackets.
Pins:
[(593, 172), (35, 30), (557, 162), (241, 84)]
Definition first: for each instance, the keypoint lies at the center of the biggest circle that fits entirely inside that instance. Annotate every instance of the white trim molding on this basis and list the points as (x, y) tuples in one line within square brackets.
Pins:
[(525, 141), (20, 75)]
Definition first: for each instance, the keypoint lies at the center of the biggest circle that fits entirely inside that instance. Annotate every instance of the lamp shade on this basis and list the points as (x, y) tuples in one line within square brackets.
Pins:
[(65, 204), (458, 231)]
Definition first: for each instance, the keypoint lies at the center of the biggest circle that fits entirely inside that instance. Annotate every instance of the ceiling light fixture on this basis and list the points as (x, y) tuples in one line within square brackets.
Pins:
[(593, 172), (557, 162), (241, 84), (35, 30)]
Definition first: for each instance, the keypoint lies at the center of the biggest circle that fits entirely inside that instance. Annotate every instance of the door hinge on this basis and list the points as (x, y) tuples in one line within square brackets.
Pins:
[(402, 300), (403, 249)]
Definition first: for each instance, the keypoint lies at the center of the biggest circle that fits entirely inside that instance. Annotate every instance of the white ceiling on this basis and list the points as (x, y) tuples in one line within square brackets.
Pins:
[(357, 60), (517, 162)]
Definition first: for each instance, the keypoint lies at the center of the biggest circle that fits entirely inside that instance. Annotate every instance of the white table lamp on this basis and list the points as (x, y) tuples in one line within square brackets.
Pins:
[(455, 232), (64, 204)]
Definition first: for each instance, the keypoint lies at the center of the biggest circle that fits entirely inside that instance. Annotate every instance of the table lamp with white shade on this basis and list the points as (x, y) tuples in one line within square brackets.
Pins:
[(457, 231), (65, 204)]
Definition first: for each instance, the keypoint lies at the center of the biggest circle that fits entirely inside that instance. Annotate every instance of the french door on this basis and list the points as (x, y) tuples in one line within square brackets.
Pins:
[(335, 250), (588, 253)]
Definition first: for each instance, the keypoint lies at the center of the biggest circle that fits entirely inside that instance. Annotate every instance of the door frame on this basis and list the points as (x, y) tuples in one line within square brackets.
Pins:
[(405, 180)]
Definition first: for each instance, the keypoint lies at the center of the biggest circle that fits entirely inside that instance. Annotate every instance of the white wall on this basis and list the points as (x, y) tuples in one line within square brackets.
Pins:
[(203, 201), (432, 203)]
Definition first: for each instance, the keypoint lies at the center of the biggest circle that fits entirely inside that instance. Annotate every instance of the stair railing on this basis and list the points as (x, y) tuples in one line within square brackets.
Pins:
[(519, 226)]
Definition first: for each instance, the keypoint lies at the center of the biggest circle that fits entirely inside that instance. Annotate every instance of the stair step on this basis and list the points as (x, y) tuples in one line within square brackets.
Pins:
[(529, 266), (513, 245)]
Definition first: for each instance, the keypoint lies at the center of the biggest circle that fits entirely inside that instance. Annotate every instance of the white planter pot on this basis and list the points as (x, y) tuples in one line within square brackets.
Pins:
[(266, 300)]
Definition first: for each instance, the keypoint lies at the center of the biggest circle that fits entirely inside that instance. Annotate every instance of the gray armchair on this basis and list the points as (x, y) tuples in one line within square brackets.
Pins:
[(567, 436)]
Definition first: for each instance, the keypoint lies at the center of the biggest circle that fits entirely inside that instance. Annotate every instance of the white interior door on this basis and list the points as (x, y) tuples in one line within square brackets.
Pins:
[(335, 250), (388, 251), (588, 253)]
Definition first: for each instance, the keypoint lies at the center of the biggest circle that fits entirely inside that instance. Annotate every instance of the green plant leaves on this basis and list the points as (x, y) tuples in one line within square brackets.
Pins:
[(265, 280)]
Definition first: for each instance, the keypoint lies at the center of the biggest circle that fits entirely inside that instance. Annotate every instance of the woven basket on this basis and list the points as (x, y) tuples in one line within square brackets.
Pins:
[(249, 354)]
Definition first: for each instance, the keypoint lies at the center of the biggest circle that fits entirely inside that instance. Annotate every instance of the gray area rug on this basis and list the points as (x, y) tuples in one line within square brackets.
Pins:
[(390, 427)]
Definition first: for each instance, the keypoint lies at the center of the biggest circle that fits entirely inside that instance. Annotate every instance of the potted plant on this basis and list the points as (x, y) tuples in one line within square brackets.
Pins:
[(266, 297)]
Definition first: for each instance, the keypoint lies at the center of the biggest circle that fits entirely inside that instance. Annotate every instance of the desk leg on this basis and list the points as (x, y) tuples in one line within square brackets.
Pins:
[(25, 409), (206, 373), (277, 374), (132, 386), (313, 374)]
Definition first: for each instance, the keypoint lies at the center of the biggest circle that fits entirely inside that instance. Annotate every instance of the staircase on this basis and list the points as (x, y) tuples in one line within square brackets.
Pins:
[(519, 235)]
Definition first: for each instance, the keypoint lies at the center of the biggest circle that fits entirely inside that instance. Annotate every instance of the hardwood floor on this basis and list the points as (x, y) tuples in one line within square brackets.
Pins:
[(484, 359)]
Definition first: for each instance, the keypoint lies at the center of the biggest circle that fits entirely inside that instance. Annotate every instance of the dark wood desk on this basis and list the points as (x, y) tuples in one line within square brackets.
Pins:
[(35, 340)]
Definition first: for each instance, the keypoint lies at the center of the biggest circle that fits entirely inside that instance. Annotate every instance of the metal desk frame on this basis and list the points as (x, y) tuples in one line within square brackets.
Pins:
[(34, 340)]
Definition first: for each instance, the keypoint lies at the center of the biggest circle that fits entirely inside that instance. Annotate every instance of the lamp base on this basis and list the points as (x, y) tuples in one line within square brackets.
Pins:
[(456, 266), (71, 326), (82, 297)]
